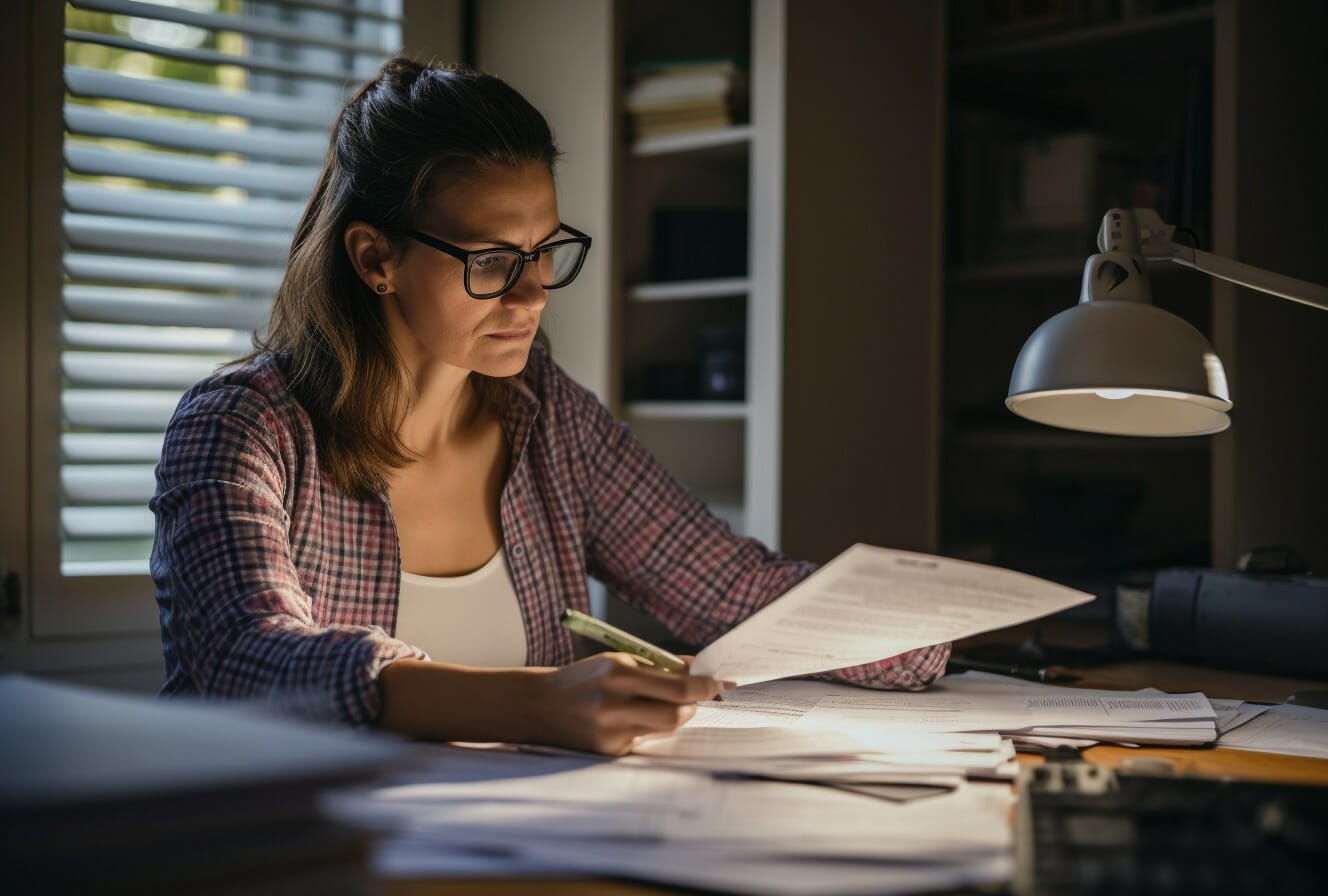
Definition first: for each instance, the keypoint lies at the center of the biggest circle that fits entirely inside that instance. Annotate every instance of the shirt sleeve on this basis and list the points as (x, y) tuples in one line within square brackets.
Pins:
[(234, 617), (659, 548)]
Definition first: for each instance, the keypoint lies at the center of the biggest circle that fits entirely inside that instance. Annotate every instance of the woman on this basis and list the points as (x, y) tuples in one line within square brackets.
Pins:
[(401, 465)]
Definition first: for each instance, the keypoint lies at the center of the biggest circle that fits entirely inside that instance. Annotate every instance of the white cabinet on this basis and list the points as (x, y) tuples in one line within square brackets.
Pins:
[(699, 295)]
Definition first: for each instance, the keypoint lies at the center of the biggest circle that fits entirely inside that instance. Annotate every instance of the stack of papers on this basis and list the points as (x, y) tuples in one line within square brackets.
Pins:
[(778, 720), (1028, 709), (1280, 728), (914, 732), (508, 812)]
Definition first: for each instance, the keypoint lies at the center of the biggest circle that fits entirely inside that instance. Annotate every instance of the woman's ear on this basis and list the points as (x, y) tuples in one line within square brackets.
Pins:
[(372, 255)]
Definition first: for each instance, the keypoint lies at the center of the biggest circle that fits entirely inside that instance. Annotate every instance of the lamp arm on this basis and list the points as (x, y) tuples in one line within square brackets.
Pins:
[(1248, 275)]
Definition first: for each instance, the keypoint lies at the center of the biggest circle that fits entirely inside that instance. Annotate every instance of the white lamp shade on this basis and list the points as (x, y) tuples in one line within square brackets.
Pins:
[(1122, 367)]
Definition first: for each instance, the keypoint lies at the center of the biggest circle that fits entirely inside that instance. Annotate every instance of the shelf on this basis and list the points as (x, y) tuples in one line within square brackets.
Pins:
[(1020, 270), (690, 289), (734, 136), (1003, 272), (1017, 437), (1075, 40), (687, 410)]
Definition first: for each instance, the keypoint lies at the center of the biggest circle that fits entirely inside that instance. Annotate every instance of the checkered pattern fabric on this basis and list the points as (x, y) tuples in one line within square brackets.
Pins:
[(272, 583)]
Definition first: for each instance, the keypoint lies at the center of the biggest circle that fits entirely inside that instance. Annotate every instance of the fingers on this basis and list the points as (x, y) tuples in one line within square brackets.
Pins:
[(603, 703), (647, 716), (627, 679)]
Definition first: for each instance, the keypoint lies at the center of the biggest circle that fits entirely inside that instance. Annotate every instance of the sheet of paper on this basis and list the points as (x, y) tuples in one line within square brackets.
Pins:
[(731, 748), (1231, 714), (871, 603), (765, 725), (1046, 741), (752, 817), (824, 770), (941, 709), (692, 865), (1138, 735), (731, 741), (762, 721), (1169, 728), (1283, 728), (487, 812), (520, 798)]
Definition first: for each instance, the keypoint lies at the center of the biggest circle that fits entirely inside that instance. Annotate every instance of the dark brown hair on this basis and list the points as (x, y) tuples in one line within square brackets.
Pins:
[(398, 135)]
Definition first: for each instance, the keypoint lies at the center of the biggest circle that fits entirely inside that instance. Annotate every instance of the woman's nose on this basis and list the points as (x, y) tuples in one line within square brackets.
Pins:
[(527, 290)]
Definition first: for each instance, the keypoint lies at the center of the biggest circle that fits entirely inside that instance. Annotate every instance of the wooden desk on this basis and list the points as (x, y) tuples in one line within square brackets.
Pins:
[(1174, 677)]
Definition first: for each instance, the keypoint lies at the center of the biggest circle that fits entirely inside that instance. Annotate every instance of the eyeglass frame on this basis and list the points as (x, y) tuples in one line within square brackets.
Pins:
[(465, 256)]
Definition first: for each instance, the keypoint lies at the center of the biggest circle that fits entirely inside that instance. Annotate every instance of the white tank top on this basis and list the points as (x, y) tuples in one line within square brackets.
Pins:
[(471, 620)]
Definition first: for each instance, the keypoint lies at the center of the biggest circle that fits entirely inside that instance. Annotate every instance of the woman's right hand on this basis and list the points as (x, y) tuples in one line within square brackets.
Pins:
[(603, 703)]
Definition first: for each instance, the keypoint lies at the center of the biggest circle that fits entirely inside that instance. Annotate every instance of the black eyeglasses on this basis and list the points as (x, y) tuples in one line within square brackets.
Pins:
[(492, 272)]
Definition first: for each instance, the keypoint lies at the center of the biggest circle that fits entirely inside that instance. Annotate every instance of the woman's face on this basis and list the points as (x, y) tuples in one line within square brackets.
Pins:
[(431, 316)]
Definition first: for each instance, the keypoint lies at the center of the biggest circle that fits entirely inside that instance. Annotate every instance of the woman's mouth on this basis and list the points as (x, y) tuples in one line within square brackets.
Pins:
[(522, 333)]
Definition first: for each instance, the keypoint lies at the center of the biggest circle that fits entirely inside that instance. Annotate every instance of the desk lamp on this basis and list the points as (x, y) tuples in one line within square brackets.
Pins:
[(1115, 363)]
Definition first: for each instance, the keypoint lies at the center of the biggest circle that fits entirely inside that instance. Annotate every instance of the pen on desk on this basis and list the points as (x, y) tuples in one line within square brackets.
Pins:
[(1032, 673), (612, 636)]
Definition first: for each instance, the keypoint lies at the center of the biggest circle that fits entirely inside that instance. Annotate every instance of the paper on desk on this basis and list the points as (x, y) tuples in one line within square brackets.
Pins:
[(1049, 741), (864, 769), (477, 812), (1231, 714), (700, 742), (940, 709), (871, 603), (761, 721), (516, 797), (691, 865), (897, 753), (961, 703), (1282, 728)]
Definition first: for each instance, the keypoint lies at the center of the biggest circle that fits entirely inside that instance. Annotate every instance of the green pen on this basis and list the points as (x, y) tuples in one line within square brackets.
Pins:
[(611, 636)]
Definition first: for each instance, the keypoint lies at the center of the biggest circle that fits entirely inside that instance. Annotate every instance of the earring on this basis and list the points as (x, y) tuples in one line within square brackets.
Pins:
[(382, 288)]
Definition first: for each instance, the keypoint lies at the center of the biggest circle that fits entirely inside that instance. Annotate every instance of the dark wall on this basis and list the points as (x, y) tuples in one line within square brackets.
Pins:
[(862, 269)]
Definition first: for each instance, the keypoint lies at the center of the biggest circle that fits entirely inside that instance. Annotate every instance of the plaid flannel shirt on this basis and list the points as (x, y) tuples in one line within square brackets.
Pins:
[(272, 583)]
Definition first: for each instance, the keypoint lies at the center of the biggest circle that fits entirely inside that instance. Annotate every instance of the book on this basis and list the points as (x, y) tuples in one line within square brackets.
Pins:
[(670, 97)]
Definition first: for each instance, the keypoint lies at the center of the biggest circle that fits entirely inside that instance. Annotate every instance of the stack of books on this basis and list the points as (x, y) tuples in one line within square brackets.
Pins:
[(678, 97)]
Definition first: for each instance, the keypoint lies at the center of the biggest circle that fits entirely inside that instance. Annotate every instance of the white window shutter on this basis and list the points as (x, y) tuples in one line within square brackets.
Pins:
[(194, 131)]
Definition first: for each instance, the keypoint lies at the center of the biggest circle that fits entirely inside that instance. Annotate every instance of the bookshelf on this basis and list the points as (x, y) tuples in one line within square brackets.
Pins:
[(836, 440), (691, 328), (1173, 90), (1047, 131)]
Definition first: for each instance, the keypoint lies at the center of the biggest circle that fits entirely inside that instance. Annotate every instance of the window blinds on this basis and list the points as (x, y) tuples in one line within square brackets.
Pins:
[(194, 131)]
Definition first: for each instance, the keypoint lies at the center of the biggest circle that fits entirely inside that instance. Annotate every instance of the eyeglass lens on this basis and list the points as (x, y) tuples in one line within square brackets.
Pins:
[(496, 271)]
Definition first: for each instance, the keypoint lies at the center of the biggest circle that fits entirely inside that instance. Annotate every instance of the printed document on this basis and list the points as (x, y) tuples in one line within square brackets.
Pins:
[(506, 812), (871, 603), (1281, 728), (1102, 715)]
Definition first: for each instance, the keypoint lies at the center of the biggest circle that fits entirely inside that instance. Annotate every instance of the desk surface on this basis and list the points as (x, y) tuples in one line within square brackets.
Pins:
[(1174, 677)]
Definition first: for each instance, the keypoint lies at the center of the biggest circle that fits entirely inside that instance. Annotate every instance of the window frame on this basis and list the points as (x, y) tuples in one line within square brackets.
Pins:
[(99, 629), (18, 63), (61, 606)]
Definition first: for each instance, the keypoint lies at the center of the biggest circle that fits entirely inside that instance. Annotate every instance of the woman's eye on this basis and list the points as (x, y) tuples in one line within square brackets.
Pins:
[(484, 262)]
